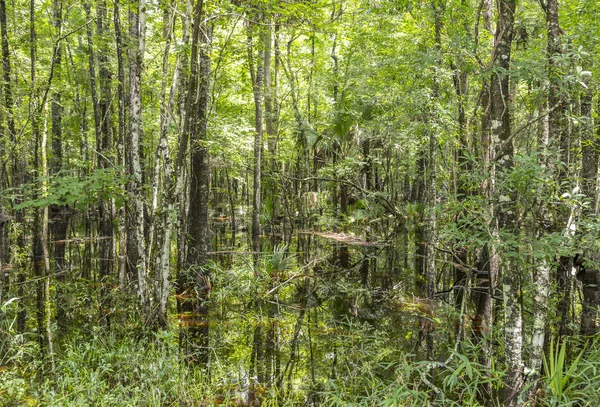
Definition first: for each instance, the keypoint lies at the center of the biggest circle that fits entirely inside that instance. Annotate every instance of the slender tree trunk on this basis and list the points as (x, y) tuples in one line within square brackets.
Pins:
[(541, 283), (59, 213), (488, 260), (418, 194), (431, 232), (171, 180), (270, 99), (105, 160), (336, 147), (8, 94), (503, 157), (303, 166), (181, 167), (589, 174), (136, 249), (44, 243), (121, 129), (541, 278), (102, 132), (161, 226), (194, 281), (92, 73), (38, 226), (17, 162), (271, 125), (257, 73), (558, 134), (4, 256), (257, 90)]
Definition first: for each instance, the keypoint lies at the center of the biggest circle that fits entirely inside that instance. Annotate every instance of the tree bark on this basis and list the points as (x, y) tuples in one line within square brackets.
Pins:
[(558, 134), (271, 119), (193, 285), (8, 94), (257, 78), (588, 270), (541, 278), (431, 232), (500, 116), (59, 213), (18, 167), (105, 161), (121, 130), (103, 128), (38, 259), (167, 212), (136, 248)]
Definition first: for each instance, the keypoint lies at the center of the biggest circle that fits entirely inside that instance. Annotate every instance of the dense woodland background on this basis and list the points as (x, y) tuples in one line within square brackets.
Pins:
[(346, 202)]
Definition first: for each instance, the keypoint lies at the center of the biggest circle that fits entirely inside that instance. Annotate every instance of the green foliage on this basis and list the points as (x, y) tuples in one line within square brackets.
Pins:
[(111, 371), (73, 190), (360, 88), (573, 380), (14, 349), (16, 355)]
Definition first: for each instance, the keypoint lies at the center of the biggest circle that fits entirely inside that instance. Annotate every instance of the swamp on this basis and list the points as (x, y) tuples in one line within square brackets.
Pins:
[(275, 203)]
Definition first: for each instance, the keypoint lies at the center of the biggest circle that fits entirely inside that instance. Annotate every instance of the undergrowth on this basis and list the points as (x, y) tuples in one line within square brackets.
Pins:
[(111, 371), (127, 369)]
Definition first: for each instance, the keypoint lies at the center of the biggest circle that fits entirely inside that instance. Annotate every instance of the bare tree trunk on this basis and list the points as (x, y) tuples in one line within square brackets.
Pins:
[(105, 157), (431, 232), (336, 147), (257, 90), (44, 243), (541, 278), (193, 282), (8, 95), (181, 167), (503, 157), (102, 128), (136, 249), (59, 213), (270, 97), (121, 129), (18, 167), (41, 263), (558, 134), (303, 162), (4, 256), (92, 72), (540, 317), (271, 126), (167, 212), (589, 173), (257, 73), (418, 195), (160, 232), (38, 259)]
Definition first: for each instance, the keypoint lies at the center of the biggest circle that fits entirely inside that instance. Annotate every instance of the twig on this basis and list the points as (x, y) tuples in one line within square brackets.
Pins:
[(311, 263), (33, 280), (295, 276)]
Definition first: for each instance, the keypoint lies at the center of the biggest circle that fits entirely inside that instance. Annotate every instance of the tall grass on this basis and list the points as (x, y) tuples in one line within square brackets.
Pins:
[(573, 382), (106, 370)]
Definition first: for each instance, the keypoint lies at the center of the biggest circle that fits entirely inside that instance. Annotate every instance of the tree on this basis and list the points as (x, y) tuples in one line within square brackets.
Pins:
[(136, 215), (193, 282), (504, 221)]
